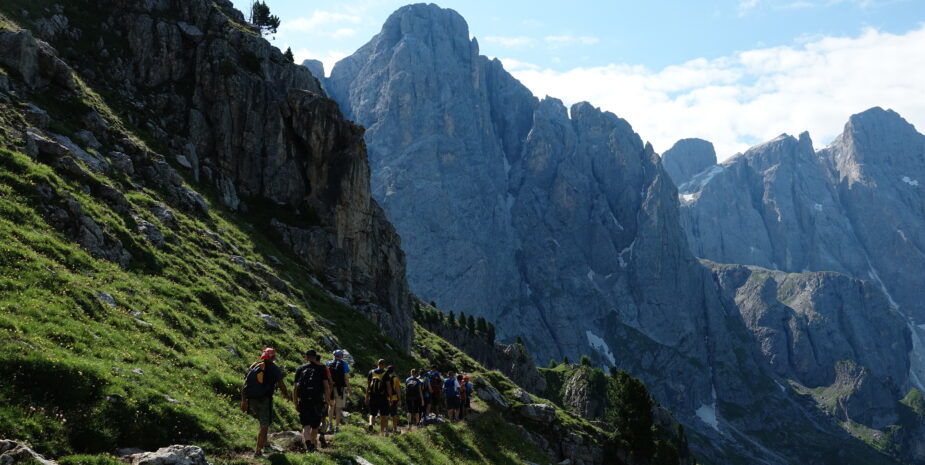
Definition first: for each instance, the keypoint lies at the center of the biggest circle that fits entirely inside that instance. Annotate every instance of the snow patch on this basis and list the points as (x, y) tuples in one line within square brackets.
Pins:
[(781, 386), (601, 346), (818, 207), (910, 181), (700, 180), (707, 414), (509, 202), (687, 198), (507, 166), (615, 222), (629, 249)]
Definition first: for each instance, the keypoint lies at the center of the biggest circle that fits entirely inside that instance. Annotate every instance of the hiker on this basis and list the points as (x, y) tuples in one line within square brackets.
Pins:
[(425, 388), (395, 397), (340, 370), (462, 396), (414, 398), (436, 384), (468, 388), (451, 392), (378, 392), (261, 381), (327, 397), (311, 386)]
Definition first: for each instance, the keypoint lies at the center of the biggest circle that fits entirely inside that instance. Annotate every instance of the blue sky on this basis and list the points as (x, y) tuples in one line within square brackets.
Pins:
[(676, 68)]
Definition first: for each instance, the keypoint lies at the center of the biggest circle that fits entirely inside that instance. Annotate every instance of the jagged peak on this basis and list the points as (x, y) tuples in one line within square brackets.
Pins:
[(877, 122), (427, 17)]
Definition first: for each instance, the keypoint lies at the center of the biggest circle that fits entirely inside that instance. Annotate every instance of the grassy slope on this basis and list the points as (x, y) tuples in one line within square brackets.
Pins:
[(156, 369)]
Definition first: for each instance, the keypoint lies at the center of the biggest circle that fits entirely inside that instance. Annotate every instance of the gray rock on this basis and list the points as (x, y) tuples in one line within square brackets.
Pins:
[(138, 371), (290, 441), (37, 116), (151, 232), (541, 413), (686, 158), (13, 453), (294, 310), (521, 396), (269, 322), (172, 455), (88, 139), (183, 161), (122, 162), (106, 298), (491, 396), (94, 162), (233, 351)]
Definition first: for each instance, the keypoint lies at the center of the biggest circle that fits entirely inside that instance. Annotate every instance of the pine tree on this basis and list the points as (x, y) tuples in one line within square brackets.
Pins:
[(629, 410), (462, 320), (565, 360), (613, 371), (289, 56), (261, 17), (470, 323), (585, 361), (519, 341), (451, 319), (481, 325), (553, 363), (491, 333)]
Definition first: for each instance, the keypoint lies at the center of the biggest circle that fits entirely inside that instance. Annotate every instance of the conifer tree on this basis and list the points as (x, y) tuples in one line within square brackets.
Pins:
[(481, 325), (470, 323), (261, 17), (585, 361), (289, 56)]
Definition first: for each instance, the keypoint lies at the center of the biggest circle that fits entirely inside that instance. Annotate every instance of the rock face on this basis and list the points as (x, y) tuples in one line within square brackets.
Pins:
[(561, 226), (511, 359), (12, 453), (855, 207), (172, 455), (277, 148), (688, 157)]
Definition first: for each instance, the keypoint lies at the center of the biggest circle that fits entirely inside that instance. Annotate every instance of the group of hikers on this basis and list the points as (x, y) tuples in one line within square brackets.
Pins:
[(320, 393)]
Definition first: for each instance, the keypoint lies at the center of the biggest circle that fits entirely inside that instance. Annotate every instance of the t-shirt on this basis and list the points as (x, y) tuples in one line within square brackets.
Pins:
[(271, 375), (451, 387), (385, 379), (313, 376)]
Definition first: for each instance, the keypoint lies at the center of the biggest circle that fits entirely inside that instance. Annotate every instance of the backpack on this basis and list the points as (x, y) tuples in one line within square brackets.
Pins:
[(337, 372), (377, 383), (435, 382), (254, 386), (413, 388), (310, 379)]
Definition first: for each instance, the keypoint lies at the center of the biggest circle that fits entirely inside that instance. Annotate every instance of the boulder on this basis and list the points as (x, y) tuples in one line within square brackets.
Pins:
[(540, 413), (491, 396), (171, 455), (288, 440), (13, 453), (521, 396), (269, 322)]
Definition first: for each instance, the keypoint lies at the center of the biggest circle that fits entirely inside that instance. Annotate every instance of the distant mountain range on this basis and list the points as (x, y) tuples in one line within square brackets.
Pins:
[(564, 228)]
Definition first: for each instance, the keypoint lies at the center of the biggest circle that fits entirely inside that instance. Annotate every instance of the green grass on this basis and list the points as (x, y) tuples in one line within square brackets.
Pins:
[(71, 359)]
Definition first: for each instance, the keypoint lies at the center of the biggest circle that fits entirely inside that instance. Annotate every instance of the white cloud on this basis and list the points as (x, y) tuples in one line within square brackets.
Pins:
[(318, 20), (511, 65), (504, 41), (746, 6), (568, 39), (343, 32), (754, 95)]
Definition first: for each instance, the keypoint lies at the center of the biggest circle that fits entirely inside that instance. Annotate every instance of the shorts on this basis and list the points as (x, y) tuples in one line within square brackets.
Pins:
[(261, 408), (379, 405), (413, 406), (338, 400), (310, 413), (452, 403)]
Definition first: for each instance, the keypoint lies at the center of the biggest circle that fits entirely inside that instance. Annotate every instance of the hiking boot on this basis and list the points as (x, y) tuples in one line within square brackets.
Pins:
[(337, 429), (310, 448), (323, 442)]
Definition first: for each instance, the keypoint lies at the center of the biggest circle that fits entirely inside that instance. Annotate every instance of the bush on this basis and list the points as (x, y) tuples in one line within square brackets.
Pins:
[(585, 361)]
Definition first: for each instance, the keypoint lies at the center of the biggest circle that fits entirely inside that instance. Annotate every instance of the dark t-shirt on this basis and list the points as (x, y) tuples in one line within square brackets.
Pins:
[(271, 375)]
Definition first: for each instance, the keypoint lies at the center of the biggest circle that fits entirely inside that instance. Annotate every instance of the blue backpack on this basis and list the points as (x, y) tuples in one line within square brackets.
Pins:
[(449, 387)]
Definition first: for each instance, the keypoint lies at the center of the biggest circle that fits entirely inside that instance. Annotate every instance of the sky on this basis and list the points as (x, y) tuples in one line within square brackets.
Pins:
[(734, 72)]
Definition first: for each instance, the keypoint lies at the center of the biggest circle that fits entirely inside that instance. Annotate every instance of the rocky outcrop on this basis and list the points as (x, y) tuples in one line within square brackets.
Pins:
[(227, 107), (686, 158), (14, 453), (171, 455), (514, 360), (826, 330)]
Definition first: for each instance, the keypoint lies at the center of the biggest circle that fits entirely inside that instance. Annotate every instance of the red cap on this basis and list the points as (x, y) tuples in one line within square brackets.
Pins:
[(465, 378), (268, 353)]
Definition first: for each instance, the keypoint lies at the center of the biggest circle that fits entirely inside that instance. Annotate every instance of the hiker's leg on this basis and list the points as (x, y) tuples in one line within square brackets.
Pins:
[(306, 435), (383, 423), (262, 438)]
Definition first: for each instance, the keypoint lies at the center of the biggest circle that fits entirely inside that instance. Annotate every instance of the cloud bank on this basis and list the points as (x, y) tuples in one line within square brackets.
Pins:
[(755, 95)]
